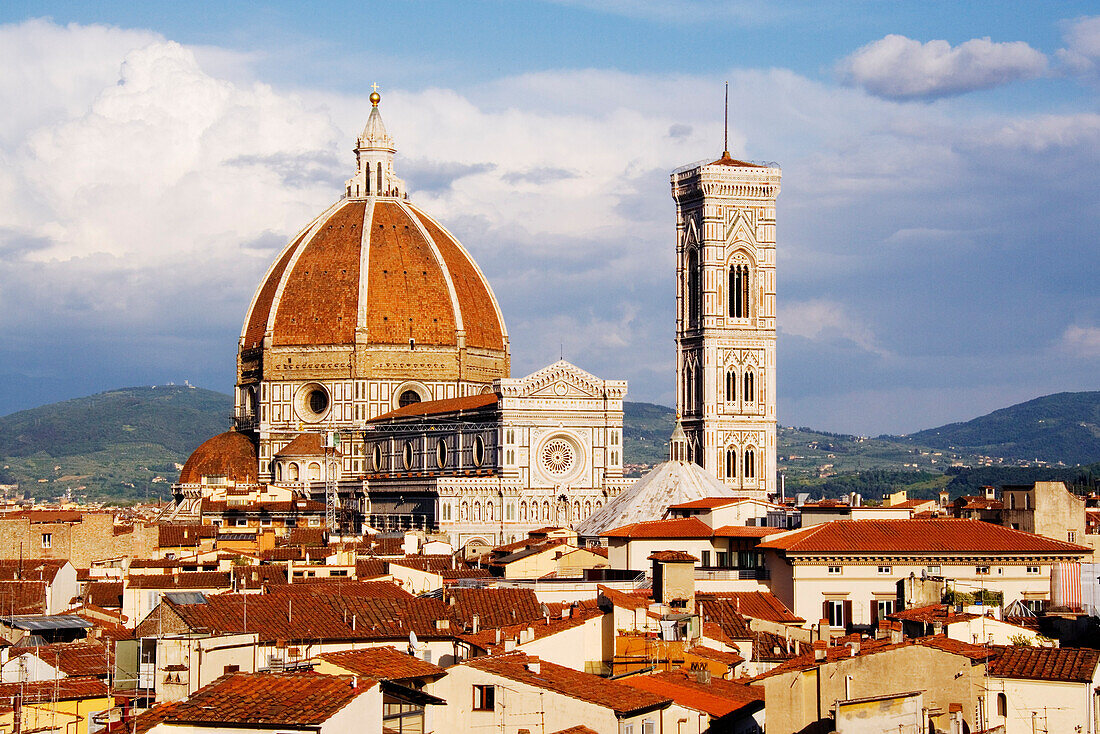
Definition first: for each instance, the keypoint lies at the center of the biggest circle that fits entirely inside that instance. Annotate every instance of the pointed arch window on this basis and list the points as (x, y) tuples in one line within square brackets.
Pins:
[(739, 291), (380, 178), (731, 386), (731, 463), (694, 289), (749, 388), (750, 464)]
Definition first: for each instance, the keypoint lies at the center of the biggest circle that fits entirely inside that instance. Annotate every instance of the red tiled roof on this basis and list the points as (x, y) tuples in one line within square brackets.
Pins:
[(826, 503), (624, 700), (958, 647), (317, 614), (1069, 664), (189, 580), (344, 587), (486, 639), (672, 556), (228, 454), (184, 536), (932, 614), (23, 597), (495, 607), (437, 407), (722, 656), (288, 507), (916, 536), (30, 569), (45, 516), (270, 699), (745, 531), (624, 600), (304, 444), (107, 594), (313, 537), (868, 646), (726, 160), (717, 698), (578, 729), (912, 504), (686, 527), (383, 663), (62, 689), (74, 659), (258, 577), (754, 604)]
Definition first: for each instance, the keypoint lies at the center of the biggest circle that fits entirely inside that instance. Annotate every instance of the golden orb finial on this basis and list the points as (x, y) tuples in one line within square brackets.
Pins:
[(375, 98)]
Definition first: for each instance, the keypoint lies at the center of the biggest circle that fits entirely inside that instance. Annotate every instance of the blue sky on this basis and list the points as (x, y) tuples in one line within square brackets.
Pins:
[(936, 231)]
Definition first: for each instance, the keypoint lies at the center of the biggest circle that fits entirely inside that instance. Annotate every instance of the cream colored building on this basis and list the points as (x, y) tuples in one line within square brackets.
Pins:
[(1032, 689), (847, 571), (725, 319)]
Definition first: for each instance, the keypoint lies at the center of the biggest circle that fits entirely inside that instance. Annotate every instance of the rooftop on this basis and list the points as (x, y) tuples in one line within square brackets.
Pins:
[(624, 700), (916, 536), (717, 698), (269, 699), (383, 663), (1068, 664)]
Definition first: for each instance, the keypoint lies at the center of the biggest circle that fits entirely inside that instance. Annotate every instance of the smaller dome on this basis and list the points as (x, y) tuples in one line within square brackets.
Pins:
[(230, 455)]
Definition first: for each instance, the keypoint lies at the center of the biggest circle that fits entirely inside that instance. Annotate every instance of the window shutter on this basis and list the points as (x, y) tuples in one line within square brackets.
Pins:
[(848, 613), (874, 613), (825, 610)]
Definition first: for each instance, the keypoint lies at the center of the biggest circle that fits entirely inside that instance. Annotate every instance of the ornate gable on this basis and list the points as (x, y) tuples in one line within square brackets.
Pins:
[(739, 227), (559, 380)]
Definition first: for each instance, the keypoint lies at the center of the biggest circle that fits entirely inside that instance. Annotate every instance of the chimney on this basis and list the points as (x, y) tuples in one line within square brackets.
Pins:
[(534, 665), (823, 630), (854, 644), (702, 676), (820, 650), (896, 634), (498, 636), (354, 682), (475, 624)]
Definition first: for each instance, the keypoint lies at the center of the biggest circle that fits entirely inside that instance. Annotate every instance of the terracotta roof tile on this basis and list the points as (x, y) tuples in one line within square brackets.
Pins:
[(189, 580), (256, 325), (105, 594), (184, 536), (480, 316), (1046, 663), (727, 160), (486, 639), (344, 587), (706, 503), (920, 536), (755, 604), (717, 698), (672, 556), (495, 607), (23, 597), (624, 600), (383, 663), (745, 531), (75, 659), (269, 699), (624, 700), (304, 444), (727, 657), (687, 527), (31, 569), (932, 614), (437, 407), (230, 454), (64, 689)]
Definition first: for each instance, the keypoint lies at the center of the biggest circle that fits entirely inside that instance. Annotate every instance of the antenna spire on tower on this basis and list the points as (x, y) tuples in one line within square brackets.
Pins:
[(726, 125)]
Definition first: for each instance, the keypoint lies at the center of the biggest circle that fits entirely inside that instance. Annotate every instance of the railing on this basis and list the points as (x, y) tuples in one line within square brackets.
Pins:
[(732, 574), (245, 420)]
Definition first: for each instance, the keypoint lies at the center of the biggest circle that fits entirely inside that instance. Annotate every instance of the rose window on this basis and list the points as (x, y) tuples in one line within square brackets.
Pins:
[(558, 456)]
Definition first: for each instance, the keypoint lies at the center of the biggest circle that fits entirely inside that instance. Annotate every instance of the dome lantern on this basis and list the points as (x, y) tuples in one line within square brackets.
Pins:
[(374, 152)]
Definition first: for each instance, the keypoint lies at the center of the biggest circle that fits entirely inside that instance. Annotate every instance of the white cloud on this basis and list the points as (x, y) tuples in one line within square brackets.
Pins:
[(823, 320), (1082, 52), (897, 67), (1081, 341)]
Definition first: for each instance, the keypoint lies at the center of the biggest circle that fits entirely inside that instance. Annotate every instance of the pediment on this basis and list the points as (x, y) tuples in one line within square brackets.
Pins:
[(739, 228), (559, 380)]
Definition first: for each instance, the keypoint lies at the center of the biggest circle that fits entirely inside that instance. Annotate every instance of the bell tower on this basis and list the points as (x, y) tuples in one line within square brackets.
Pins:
[(725, 319)]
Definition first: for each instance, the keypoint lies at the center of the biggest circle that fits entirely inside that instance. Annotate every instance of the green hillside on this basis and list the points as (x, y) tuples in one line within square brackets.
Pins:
[(117, 445), (125, 445), (1060, 428)]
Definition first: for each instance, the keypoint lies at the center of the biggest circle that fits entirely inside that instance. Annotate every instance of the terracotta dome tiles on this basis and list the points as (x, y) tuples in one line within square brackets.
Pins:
[(319, 304), (407, 293), (479, 313), (420, 284), (228, 454)]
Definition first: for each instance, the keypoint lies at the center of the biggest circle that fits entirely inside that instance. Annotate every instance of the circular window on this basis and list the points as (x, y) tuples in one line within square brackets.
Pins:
[(311, 403), (558, 456), (376, 457), (407, 455), (479, 451), (409, 397), (441, 453)]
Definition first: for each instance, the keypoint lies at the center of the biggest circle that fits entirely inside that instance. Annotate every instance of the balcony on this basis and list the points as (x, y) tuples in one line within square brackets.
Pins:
[(245, 420)]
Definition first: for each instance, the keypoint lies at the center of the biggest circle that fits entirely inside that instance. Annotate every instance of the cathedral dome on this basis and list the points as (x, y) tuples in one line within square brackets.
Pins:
[(374, 284), (376, 271), (231, 455)]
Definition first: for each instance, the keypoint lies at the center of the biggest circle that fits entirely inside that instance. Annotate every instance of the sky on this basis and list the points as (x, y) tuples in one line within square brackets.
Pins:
[(936, 231)]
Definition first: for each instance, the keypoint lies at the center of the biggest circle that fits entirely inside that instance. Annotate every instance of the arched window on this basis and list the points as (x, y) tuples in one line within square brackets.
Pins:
[(750, 464), (739, 291), (278, 472), (731, 463), (380, 191), (1002, 705), (689, 389), (315, 472), (292, 472), (408, 398), (731, 386), (1027, 501), (699, 391), (694, 292), (749, 392)]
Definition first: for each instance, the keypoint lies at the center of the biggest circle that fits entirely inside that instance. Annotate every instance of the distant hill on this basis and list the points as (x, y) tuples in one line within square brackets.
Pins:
[(1064, 427), (117, 445), (125, 445)]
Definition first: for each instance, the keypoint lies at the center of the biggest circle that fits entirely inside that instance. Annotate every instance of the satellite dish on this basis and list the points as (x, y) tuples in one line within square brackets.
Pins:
[(412, 642)]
